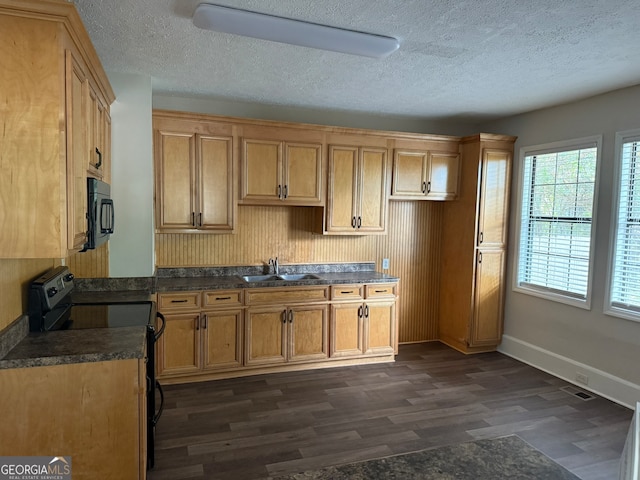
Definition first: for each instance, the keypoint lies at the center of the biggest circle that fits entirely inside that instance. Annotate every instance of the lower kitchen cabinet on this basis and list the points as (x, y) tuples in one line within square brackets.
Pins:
[(366, 327), (198, 339), (226, 333), (94, 413), (291, 334)]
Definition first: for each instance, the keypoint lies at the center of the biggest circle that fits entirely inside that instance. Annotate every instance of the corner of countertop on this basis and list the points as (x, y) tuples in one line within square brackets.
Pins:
[(13, 335)]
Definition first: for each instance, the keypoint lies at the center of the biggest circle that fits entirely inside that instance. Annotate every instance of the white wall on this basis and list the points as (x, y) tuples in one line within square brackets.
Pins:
[(131, 247), (556, 337)]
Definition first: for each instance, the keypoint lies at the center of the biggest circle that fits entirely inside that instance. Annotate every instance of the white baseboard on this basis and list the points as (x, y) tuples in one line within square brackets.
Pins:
[(601, 383)]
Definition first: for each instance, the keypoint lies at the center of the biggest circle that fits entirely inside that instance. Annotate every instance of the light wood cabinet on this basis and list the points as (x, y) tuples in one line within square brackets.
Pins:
[(357, 191), (363, 320), (424, 175), (472, 281), (91, 408), (99, 135), (294, 332), (203, 332), (48, 63), (277, 172), (194, 171)]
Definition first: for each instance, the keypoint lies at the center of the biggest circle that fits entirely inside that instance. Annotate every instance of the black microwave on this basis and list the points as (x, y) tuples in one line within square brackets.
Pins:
[(100, 213)]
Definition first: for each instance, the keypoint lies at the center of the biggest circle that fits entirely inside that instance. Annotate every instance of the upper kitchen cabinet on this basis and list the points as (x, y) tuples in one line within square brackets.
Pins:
[(472, 278), (194, 170), (281, 166), (49, 69), (425, 168), (357, 193)]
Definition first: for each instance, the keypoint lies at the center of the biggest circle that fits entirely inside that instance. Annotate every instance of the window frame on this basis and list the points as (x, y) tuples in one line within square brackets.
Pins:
[(609, 308), (557, 147)]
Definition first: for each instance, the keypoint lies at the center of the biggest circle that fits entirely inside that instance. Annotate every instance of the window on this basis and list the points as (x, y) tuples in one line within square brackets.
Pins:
[(624, 275), (557, 199)]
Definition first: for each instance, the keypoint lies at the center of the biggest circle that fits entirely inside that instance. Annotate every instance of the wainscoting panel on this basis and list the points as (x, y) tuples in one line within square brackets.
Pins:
[(412, 246), (90, 264)]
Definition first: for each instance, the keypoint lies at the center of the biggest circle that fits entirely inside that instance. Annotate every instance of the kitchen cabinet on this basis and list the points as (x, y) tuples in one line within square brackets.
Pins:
[(357, 191), (472, 280), (194, 169), (49, 64), (284, 325), (363, 323), (99, 135), (424, 175), (203, 332), (80, 417), (276, 172)]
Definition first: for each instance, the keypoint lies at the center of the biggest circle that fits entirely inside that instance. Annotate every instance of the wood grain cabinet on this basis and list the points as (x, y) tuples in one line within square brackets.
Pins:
[(473, 257), (49, 69), (92, 408), (203, 332), (286, 325), (99, 135), (357, 191), (424, 175), (194, 170), (363, 320), (276, 172)]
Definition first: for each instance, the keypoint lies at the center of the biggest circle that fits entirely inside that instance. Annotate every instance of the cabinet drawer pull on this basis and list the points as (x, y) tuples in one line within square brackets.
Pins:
[(180, 301), (223, 298), (382, 291), (99, 164), (345, 292)]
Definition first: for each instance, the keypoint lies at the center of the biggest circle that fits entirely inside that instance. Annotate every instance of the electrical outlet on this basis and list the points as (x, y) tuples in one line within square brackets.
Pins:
[(582, 378), (385, 264)]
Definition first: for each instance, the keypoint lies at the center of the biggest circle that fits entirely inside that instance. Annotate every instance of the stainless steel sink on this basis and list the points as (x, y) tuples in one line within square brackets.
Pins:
[(260, 278), (298, 276)]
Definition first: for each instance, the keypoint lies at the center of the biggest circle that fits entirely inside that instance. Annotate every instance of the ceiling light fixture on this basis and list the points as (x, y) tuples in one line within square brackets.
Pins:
[(295, 32)]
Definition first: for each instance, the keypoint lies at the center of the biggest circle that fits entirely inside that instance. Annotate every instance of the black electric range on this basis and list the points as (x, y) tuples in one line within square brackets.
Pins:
[(52, 307)]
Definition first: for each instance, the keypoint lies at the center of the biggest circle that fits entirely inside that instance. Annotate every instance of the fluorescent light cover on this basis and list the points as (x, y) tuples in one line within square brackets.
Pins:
[(294, 32)]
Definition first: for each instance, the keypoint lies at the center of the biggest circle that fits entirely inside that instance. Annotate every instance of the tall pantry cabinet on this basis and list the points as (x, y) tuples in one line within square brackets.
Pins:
[(472, 271)]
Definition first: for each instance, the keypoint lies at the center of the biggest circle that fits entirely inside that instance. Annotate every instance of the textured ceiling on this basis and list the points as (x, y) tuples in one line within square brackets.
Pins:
[(467, 59)]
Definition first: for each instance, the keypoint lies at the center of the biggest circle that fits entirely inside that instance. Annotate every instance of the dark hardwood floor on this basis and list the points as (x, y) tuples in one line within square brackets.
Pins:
[(252, 427)]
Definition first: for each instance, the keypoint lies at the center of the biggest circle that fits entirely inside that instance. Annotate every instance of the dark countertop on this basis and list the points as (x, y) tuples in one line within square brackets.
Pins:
[(76, 346), (167, 284)]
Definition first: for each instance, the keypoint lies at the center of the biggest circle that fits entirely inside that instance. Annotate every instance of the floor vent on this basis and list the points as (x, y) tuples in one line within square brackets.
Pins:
[(581, 394)]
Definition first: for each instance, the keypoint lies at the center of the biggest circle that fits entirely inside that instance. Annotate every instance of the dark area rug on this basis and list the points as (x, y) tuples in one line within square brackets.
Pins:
[(502, 458)]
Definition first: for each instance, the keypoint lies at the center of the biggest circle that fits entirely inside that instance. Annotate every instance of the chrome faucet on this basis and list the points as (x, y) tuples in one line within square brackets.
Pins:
[(274, 264)]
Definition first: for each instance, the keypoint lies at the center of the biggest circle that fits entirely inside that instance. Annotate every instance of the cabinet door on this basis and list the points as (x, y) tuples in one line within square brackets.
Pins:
[(222, 339), (76, 98), (265, 336), (307, 333), (346, 330), (494, 192), (179, 345), (302, 174), (94, 133), (379, 327), (409, 174), (486, 326), (215, 183), (442, 183), (261, 171), (372, 190), (175, 172), (343, 185)]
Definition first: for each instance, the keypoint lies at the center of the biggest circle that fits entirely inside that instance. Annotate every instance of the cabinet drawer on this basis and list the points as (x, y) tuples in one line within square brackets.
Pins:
[(221, 298), (376, 290), (347, 292), (178, 301), (270, 296)]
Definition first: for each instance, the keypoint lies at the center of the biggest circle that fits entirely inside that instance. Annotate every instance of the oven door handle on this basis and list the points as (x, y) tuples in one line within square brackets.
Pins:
[(164, 323), (157, 415)]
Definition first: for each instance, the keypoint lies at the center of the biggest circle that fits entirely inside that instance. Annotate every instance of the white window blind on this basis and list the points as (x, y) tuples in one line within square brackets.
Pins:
[(625, 284), (557, 203)]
